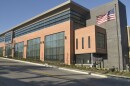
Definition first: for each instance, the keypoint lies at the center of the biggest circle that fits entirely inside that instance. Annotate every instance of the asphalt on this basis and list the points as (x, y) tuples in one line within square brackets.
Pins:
[(14, 73)]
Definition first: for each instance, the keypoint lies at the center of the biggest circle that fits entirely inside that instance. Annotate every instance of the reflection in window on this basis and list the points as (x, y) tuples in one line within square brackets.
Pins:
[(83, 59), (2, 39), (79, 20), (54, 47), (82, 42), (89, 45), (8, 50), (8, 37), (33, 48), (1, 51), (100, 40), (18, 51)]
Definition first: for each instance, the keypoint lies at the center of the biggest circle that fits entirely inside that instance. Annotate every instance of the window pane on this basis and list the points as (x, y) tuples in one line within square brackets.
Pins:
[(1, 51), (56, 47), (82, 43), (18, 52), (33, 48), (89, 42), (100, 40)]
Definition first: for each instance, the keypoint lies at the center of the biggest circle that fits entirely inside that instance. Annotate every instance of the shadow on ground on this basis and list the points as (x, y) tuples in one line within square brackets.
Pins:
[(38, 79)]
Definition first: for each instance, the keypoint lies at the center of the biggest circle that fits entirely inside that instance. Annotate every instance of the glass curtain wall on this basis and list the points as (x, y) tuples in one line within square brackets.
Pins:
[(8, 50), (1, 51), (2, 39), (33, 48), (100, 40), (78, 19), (54, 47), (83, 59), (18, 52), (8, 37)]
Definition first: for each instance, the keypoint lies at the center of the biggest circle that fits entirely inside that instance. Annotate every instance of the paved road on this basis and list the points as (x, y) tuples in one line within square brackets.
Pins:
[(21, 74)]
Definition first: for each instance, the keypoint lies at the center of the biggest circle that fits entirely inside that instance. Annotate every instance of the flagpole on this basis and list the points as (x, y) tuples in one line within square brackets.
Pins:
[(117, 36)]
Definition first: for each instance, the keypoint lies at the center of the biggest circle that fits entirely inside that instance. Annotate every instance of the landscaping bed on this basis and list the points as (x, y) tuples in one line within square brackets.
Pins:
[(81, 67)]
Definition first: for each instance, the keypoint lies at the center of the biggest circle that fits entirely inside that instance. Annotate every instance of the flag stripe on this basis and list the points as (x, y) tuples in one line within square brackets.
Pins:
[(110, 15)]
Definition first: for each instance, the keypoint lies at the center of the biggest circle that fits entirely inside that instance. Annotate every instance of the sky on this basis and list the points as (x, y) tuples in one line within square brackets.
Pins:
[(14, 12)]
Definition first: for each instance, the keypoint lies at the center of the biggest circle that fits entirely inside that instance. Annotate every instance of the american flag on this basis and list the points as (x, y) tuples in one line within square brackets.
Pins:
[(110, 15)]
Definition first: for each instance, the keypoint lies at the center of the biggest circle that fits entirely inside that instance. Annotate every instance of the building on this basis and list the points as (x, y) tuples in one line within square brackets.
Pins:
[(69, 33), (128, 30)]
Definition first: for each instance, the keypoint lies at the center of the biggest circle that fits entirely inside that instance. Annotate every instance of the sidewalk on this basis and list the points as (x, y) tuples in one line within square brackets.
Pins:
[(72, 70)]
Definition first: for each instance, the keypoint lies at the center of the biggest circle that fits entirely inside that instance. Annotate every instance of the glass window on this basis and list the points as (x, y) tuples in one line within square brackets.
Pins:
[(33, 48), (59, 18), (2, 39), (89, 45), (78, 19), (8, 50), (18, 50), (8, 37), (100, 40), (55, 51), (1, 51), (82, 42), (83, 59)]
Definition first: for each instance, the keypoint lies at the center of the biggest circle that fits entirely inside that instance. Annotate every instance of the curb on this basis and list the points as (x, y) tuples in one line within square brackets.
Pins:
[(82, 72), (98, 75), (71, 70), (76, 71), (60, 68), (119, 77), (37, 64)]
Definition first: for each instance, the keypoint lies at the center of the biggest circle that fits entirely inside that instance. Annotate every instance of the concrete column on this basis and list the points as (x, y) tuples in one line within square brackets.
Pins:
[(69, 44), (42, 49), (25, 49), (4, 51)]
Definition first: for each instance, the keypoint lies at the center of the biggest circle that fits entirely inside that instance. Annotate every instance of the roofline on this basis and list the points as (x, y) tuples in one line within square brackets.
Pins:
[(54, 8), (104, 4)]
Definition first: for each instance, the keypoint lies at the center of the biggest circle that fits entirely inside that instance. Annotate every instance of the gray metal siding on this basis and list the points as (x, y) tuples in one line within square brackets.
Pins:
[(115, 44)]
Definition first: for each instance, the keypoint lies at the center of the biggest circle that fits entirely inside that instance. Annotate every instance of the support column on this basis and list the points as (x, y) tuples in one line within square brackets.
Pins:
[(25, 49), (4, 51), (42, 49)]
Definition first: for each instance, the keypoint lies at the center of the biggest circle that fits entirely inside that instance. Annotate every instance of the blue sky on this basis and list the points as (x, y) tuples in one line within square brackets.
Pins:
[(14, 12)]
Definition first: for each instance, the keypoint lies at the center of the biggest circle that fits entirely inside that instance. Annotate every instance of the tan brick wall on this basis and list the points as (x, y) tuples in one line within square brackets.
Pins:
[(66, 27), (70, 38), (85, 32), (2, 44)]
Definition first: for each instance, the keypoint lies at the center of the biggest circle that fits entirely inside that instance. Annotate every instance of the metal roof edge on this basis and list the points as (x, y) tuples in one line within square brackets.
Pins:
[(56, 7)]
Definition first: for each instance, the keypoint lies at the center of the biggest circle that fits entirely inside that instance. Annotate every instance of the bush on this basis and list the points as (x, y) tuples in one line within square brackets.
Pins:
[(80, 67)]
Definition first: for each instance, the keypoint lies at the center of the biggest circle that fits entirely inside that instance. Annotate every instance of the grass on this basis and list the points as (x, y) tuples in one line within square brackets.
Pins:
[(81, 67)]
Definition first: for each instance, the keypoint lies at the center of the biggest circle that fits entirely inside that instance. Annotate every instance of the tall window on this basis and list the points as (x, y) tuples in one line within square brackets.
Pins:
[(8, 37), (82, 42), (54, 47), (18, 51), (33, 48), (76, 43), (1, 51), (8, 50), (89, 44), (100, 40), (2, 39)]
